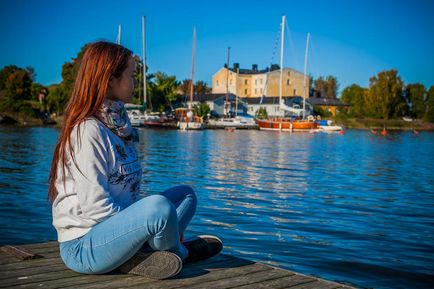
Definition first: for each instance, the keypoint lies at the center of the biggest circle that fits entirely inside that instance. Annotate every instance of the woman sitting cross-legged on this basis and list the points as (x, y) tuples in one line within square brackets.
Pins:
[(95, 176)]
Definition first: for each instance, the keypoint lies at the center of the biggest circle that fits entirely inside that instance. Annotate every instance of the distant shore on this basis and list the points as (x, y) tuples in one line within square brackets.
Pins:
[(391, 124), (350, 123)]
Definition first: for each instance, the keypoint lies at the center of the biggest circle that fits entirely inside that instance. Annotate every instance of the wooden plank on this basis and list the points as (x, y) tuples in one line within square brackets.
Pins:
[(5, 259), (19, 252), (16, 281), (315, 284), (31, 263), (32, 270), (239, 280), (74, 282), (284, 282)]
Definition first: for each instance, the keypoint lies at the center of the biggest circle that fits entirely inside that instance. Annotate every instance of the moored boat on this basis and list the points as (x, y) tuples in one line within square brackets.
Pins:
[(286, 124), (328, 126)]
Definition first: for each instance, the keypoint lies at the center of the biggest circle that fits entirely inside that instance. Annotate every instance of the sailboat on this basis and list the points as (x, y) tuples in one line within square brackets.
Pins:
[(189, 121), (239, 121), (286, 124), (137, 113)]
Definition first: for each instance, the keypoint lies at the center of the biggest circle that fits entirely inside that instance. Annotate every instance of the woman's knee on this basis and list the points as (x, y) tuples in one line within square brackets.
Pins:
[(162, 207)]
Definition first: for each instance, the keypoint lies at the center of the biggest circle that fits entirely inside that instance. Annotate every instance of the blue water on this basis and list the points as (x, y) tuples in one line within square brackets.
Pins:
[(354, 208)]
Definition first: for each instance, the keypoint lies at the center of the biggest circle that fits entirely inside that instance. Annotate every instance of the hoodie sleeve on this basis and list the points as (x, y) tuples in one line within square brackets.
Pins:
[(90, 172)]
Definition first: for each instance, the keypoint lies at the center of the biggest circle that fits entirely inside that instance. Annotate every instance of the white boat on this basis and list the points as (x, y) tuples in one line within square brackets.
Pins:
[(329, 126), (234, 122)]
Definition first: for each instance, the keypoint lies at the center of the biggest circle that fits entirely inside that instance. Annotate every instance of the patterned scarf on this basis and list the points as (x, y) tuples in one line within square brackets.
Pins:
[(114, 115)]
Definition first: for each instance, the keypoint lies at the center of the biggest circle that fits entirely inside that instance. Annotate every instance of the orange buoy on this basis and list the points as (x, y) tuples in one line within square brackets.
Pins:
[(384, 132), (342, 132)]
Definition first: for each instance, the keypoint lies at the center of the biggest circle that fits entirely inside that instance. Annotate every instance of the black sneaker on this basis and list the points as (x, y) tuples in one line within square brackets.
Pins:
[(202, 247), (155, 265)]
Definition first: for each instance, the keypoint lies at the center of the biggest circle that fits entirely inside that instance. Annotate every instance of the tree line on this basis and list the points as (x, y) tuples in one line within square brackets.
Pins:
[(20, 94), (386, 97)]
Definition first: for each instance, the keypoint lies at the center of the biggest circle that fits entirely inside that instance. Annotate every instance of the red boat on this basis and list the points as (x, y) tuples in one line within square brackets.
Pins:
[(285, 124)]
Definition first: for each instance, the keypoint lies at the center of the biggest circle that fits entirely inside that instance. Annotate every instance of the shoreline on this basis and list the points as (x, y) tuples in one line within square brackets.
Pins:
[(350, 123)]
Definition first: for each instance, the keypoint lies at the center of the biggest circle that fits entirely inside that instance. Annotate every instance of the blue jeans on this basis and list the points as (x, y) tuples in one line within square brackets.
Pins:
[(155, 221)]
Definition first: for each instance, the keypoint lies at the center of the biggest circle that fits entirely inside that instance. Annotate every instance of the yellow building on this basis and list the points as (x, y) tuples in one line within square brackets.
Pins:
[(248, 83)]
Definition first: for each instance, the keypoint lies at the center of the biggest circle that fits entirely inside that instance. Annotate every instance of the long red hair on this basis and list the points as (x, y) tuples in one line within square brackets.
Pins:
[(101, 61)]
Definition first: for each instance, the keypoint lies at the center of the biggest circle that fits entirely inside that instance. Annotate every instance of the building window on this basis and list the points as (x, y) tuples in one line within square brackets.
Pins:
[(288, 82), (246, 82), (217, 83), (289, 73), (295, 91), (245, 91), (256, 81), (256, 91)]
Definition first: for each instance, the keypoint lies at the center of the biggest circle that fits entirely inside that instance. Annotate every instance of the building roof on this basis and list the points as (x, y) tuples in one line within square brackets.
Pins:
[(266, 99), (211, 96), (253, 70), (326, 101)]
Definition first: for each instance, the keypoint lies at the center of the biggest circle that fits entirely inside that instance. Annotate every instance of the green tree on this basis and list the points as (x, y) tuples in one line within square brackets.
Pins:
[(327, 87), (17, 89), (57, 98), (429, 109), (355, 96), (261, 113), (70, 70), (415, 95), (4, 74), (163, 91), (184, 87), (201, 110), (201, 87), (385, 97)]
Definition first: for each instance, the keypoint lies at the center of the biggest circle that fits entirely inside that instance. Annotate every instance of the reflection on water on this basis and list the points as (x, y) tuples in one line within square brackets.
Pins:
[(356, 208)]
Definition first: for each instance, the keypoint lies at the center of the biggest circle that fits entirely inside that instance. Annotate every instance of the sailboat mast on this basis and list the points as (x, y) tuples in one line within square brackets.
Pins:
[(282, 40), (236, 96), (118, 39), (305, 75), (144, 61), (227, 84), (192, 69)]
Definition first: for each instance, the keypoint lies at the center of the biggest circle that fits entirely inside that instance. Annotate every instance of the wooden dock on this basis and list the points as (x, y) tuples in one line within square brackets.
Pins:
[(222, 271)]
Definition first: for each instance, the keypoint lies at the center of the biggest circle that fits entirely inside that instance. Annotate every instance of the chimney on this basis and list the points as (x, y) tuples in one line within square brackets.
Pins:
[(254, 67), (225, 65), (236, 66), (274, 67)]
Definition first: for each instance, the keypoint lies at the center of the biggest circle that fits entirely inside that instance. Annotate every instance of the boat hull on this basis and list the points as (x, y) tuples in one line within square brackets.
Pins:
[(182, 125), (284, 124)]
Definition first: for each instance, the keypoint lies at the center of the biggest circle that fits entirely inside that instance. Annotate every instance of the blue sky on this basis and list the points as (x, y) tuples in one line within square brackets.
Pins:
[(352, 40)]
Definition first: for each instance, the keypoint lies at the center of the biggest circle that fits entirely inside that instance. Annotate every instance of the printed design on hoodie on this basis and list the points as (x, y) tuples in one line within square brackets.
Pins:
[(128, 174)]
